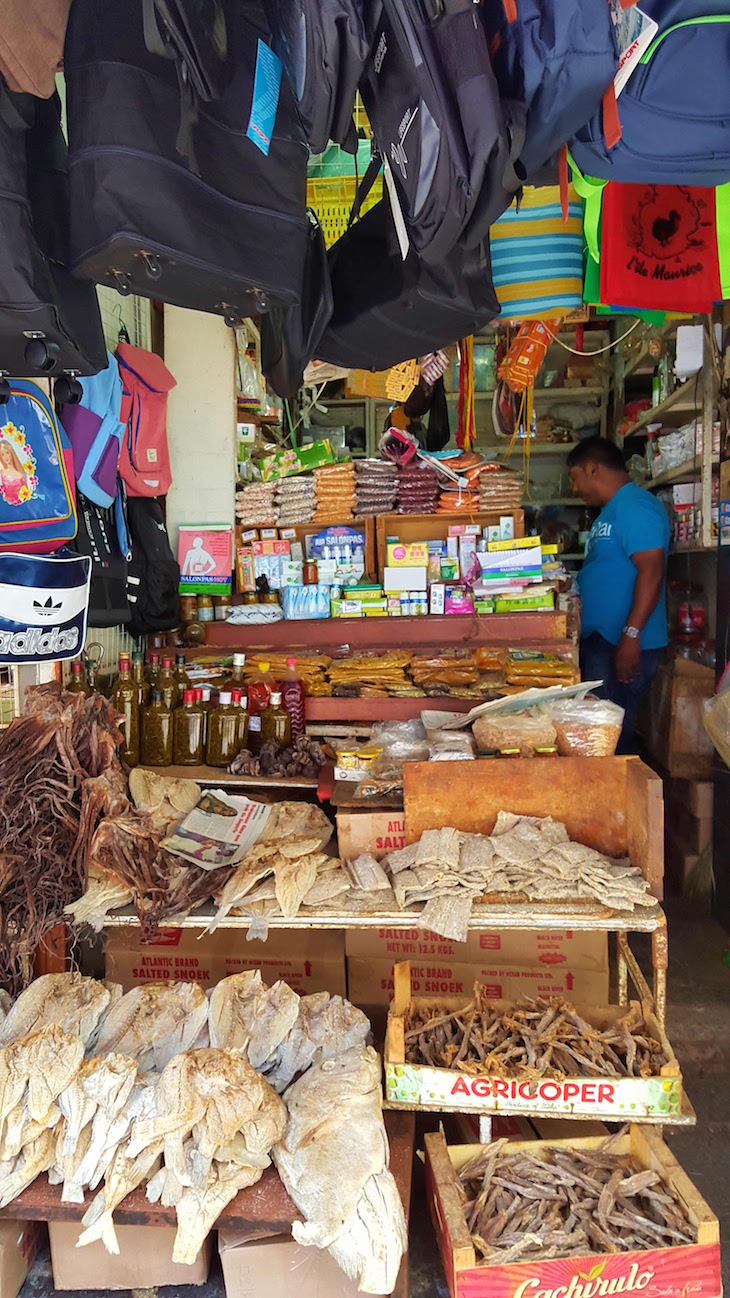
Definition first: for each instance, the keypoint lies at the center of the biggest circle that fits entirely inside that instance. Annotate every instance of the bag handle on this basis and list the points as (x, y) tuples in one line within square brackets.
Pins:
[(363, 189), (590, 189)]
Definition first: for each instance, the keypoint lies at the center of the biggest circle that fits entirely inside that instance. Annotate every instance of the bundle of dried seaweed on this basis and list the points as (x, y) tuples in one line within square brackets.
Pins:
[(561, 1202), (49, 756), (533, 1039)]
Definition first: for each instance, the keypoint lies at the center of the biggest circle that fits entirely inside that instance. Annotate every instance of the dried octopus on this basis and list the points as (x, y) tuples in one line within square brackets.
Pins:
[(534, 1038), (562, 1202)]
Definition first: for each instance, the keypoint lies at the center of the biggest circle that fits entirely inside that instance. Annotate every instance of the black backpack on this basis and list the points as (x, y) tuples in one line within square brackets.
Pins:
[(49, 321), (434, 107), (290, 336), (387, 310), (97, 537), (153, 576), (232, 239), (324, 46)]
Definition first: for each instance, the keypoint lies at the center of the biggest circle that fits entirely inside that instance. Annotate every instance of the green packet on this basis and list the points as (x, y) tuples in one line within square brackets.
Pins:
[(300, 460)]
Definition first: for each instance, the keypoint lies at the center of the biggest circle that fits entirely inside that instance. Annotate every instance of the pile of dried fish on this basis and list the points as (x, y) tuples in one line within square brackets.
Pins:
[(105, 1091), (55, 760), (532, 1039), (528, 857), (285, 869), (563, 1202), (305, 757)]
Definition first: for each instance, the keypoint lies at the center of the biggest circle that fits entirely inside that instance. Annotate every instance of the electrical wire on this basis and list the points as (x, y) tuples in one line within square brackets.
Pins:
[(609, 346)]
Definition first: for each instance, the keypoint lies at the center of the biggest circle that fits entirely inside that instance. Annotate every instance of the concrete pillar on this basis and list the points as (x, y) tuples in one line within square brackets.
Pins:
[(201, 419)]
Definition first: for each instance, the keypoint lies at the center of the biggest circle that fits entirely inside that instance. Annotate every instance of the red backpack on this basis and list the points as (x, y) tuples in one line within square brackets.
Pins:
[(144, 462)]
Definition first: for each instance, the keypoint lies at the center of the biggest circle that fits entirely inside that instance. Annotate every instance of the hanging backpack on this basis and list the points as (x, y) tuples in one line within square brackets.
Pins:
[(556, 59), (97, 538), (153, 576), (447, 145), (144, 463), (231, 239), (669, 124), (324, 46), (43, 606), (194, 34), (94, 429), (37, 501), (387, 310), (289, 337), (49, 322)]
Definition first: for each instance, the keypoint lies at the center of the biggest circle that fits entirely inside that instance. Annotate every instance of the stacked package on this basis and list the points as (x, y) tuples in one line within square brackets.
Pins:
[(335, 492), (418, 489), (295, 500), (500, 489), (255, 505), (376, 487)]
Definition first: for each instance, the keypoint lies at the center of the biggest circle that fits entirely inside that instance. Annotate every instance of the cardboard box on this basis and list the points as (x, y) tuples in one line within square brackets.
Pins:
[(410, 578), (675, 734), (275, 1268), (696, 795), (403, 555), (307, 961), (19, 1244), (370, 982), (690, 831), (660, 1271), (377, 832), (144, 1260), (521, 948)]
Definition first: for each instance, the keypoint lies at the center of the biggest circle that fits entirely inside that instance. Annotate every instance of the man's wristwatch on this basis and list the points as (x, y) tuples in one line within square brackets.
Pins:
[(631, 632)]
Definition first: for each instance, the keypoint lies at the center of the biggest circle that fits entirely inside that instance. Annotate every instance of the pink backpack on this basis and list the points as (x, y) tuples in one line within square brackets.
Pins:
[(144, 462)]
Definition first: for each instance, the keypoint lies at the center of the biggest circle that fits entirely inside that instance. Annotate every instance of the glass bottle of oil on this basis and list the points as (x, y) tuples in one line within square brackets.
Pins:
[(124, 699), (77, 684), (239, 703), (140, 680), (276, 724), (157, 732), (187, 732), (223, 743), (169, 686), (180, 674), (235, 681), (152, 670)]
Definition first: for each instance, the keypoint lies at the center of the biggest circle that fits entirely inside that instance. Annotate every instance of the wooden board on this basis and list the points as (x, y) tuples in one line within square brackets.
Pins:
[(588, 794), (645, 823)]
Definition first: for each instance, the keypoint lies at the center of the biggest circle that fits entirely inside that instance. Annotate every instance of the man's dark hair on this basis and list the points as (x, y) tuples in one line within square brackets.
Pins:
[(597, 450)]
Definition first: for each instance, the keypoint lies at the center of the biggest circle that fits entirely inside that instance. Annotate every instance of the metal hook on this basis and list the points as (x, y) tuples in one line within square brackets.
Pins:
[(123, 334)]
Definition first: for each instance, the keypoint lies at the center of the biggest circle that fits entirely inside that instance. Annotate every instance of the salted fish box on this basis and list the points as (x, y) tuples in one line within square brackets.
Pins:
[(447, 1090), (658, 1273)]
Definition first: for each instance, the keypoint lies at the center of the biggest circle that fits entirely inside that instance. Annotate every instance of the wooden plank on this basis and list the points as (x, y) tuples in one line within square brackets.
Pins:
[(645, 822), (652, 1152), (445, 1198), (212, 775), (588, 794)]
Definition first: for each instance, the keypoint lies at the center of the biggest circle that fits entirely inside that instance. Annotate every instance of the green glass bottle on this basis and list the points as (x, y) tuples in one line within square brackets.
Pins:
[(157, 732), (167, 683)]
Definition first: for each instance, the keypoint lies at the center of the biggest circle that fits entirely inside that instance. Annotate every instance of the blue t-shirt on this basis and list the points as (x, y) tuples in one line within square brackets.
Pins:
[(632, 521)]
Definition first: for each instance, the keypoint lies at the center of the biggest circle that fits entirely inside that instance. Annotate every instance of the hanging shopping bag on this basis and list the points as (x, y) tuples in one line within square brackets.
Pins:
[(537, 258), (43, 607), (37, 498)]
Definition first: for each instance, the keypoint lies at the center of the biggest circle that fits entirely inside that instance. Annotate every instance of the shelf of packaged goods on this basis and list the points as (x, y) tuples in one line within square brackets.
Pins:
[(435, 527), (372, 634), (685, 472), (685, 400), (553, 395)]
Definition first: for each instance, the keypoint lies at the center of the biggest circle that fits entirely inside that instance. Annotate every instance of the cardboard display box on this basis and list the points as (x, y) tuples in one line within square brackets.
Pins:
[(273, 1267), (444, 1090), (521, 948), (664, 1271), (19, 1244), (309, 961), (370, 983), (377, 832), (144, 1260)]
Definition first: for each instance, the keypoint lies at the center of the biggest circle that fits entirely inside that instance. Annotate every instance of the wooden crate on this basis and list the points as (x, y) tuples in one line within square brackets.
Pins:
[(446, 1090), (686, 1268), (674, 731), (613, 804), (435, 527)]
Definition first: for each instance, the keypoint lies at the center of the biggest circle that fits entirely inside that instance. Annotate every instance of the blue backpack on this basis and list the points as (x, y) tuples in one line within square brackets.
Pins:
[(671, 122), (554, 58), (37, 498)]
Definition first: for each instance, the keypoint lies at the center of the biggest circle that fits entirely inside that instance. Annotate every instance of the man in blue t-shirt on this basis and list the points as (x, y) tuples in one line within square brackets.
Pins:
[(623, 579)]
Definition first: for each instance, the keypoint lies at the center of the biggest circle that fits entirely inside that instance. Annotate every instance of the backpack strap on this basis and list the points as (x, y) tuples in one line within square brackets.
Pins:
[(364, 187), (590, 189)]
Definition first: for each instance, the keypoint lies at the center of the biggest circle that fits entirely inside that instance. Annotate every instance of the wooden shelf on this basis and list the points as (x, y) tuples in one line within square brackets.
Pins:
[(538, 448), (557, 500), (335, 709), (542, 394), (682, 473), (691, 547), (684, 400), (435, 527), (211, 776)]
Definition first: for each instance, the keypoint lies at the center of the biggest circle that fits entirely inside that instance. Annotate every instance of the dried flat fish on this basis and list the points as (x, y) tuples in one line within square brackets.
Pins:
[(294, 879), (563, 1202), (367, 873), (448, 916)]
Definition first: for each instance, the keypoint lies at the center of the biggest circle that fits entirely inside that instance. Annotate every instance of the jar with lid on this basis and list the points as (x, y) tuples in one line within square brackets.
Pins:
[(140, 680), (124, 699), (188, 609), (546, 751), (77, 684), (276, 724), (250, 597), (309, 573), (167, 683), (157, 731), (205, 608), (509, 752), (222, 607), (270, 597), (187, 732), (222, 733)]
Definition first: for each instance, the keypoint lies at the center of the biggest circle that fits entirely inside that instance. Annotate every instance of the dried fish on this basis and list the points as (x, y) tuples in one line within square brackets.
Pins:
[(563, 1202), (534, 1038)]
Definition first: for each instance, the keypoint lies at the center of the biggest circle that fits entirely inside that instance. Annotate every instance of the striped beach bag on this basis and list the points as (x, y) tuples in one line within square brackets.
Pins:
[(537, 258)]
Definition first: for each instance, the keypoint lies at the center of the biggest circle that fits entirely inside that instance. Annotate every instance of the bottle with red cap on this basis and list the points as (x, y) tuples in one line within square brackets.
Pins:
[(239, 703), (187, 732), (77, 684), (292, 698), (167, 683)]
